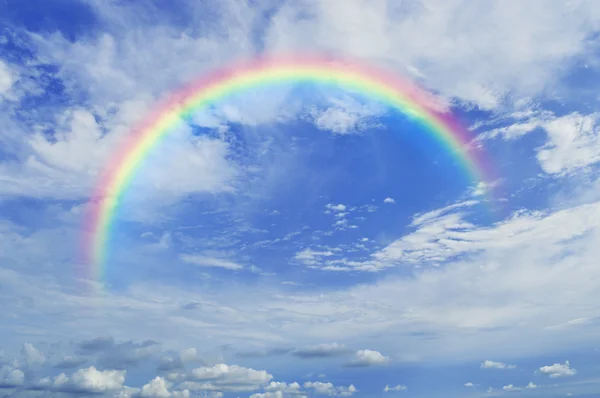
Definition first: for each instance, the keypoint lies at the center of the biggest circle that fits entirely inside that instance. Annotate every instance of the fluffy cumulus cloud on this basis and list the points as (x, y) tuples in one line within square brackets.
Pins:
[(205, 381), (88, 380), (321, 388), (558, 370), (336, 208), (291, 388), (156, 388), (369, 358), (11, 377), (281, 390), (222, 377)]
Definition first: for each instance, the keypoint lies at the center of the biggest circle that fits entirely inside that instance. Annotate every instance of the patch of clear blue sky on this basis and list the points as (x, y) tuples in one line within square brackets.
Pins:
[(69, 17), (397, 158)]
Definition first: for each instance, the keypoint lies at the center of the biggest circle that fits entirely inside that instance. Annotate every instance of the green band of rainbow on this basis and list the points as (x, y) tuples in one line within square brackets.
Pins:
[(380, 85)]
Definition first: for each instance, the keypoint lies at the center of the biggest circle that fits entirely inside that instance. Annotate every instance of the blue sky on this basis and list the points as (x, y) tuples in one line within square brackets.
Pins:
[(302, 240)]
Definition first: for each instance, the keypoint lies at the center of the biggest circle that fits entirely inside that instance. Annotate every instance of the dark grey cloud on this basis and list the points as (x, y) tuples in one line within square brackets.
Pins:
[(168, 363), (69, 362), (271, 352), (96, 345), (128, 354), (322, 351)]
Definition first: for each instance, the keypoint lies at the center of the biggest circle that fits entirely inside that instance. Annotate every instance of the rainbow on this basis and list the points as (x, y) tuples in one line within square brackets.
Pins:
[(386, 87)]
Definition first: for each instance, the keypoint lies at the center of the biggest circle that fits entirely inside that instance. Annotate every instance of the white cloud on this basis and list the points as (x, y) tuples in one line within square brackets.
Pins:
[(573, 140), (233, 373), (511, 387), (275, 394), (69, 167), (32, 355), (369, 358), (558, 370), (509, 48), (482, 188), (186, 394), (571, 323), (322, 388), (389, 200), (223, 378), (496, 365), (573, 143), (11, 377), (338, 207), (440, 236), (309, 256), (156, 388), (345, 116), (189, 355), (127, 392), (275, 386), (399, 387), (208, 261), (424, 218), (469, 384), (88, 380)]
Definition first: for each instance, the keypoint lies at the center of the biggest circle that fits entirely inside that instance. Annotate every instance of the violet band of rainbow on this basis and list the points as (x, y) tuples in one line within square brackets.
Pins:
[(378, 84)]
